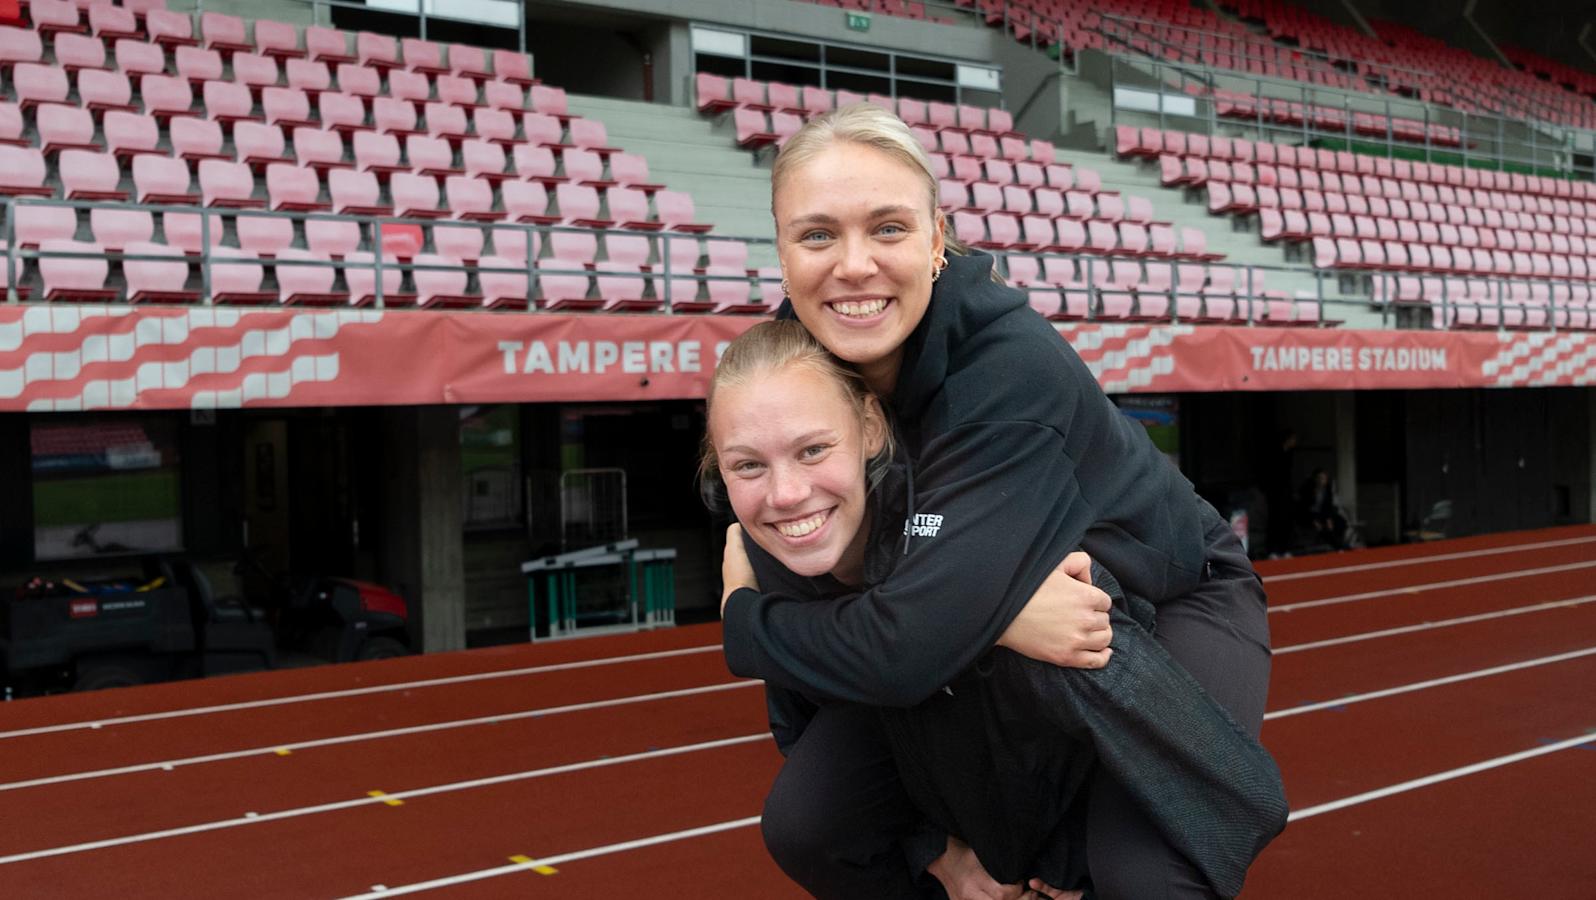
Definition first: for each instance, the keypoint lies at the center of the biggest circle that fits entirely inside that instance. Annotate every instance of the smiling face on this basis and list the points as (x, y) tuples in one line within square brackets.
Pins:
[(791, 448), (858, 237)]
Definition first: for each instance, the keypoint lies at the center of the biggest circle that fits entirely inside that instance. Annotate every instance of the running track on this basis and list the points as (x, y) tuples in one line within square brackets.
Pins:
[(1432, 709)]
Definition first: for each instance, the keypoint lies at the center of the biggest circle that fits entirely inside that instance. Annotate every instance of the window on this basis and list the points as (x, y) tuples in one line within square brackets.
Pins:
[(104, 486), (490, 455)]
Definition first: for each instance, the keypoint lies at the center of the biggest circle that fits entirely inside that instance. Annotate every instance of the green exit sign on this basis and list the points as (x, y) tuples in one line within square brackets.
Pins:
[(858, 21)]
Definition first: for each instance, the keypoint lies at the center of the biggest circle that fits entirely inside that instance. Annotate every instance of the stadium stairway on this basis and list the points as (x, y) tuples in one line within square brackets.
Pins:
[(730, 186)]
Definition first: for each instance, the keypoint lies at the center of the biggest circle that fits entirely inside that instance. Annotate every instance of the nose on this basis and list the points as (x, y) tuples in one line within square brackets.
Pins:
[(788, 487), (857, 261)]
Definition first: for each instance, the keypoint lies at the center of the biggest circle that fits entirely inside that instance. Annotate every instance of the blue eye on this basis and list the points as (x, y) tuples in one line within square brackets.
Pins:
[(892, 229)]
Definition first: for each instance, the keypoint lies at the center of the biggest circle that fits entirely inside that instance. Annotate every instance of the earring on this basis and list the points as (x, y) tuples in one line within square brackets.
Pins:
[(937, 265), (786, 290)]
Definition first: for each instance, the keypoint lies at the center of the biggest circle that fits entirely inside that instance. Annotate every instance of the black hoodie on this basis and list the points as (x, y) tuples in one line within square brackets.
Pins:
[(1018, 458)]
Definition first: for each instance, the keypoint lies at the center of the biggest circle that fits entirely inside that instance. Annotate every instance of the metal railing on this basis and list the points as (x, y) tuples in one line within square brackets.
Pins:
[(423, 11)]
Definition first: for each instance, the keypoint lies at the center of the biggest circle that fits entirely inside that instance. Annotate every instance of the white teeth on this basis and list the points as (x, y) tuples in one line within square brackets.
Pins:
[(861, 308), (803, 526)]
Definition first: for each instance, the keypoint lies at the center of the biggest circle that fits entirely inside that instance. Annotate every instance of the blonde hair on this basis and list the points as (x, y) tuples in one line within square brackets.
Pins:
[(871, 126), (770, 346)]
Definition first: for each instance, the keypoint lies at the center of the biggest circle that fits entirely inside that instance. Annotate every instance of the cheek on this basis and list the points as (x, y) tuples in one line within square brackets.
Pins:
[(745, 498)]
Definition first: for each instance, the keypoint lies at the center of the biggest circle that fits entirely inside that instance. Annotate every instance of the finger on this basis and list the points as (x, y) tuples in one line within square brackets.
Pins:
[(1088, 659), (1101, 601), (734, 533), (1077, 565)]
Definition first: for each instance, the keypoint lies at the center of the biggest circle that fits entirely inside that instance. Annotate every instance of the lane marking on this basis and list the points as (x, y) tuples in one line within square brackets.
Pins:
[(280, 750), (356, 692), (1437, 778), (534, 865), (606, 850), (1443, 623), (1426, 685), (489, 781), (1417, 588), (1420, 560), (383, 796)]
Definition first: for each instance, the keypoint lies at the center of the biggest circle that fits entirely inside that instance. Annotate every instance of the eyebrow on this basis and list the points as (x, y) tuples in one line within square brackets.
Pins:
[(800, 441), (878, 212)]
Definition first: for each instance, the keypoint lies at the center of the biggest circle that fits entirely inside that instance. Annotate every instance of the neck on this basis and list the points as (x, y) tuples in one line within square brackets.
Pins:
[(881, 376), (850, 568)]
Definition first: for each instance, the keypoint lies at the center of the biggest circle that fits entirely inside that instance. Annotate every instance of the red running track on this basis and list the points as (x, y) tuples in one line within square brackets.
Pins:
[(1430, 709)]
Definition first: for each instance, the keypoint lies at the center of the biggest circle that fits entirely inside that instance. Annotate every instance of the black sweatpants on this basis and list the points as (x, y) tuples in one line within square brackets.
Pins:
[(837, 817)]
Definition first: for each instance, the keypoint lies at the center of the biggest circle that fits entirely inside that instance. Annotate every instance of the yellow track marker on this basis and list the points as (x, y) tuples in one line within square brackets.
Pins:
[(383, 796), (529, 861), (283, 751)]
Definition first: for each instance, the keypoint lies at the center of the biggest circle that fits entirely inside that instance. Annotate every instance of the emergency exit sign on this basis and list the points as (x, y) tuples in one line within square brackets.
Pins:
[(858, 21)]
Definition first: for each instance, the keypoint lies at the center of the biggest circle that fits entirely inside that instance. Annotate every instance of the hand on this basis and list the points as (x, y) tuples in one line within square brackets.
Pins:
[(1066, 621), (964, 878), (735, 569), (1042, 889)]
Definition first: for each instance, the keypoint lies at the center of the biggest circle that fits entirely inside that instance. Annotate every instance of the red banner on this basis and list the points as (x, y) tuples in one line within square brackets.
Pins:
[(58, 357)]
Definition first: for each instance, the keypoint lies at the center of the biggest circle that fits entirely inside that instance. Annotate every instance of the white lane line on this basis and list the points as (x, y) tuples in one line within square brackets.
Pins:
[(274, 749), (1433, 585), (605, 850), (1443, 623), (1421, 560), (1437, 778), (1426, 685), (356, 692), (257, 818)]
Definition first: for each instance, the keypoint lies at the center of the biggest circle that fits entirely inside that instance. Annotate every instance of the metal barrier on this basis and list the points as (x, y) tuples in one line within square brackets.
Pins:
[(635, 590)]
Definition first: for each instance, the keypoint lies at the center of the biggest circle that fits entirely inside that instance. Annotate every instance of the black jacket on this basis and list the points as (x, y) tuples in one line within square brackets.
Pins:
[(1018, 458)]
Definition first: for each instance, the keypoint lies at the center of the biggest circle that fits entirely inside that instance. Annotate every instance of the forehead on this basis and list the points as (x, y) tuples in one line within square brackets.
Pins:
[(775, 405), (845, 177)]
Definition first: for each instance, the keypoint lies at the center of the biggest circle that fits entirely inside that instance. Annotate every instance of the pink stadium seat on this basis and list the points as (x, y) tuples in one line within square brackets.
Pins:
[(263, 235), (713, 93), (415, 196), (327, 44), (187, 231), (502, 95), (55, 15), (114, 228), (484, 159), (254, 71), (541, 129), (37, 224), (567, 285), (11, 126), (619, 276), (379, 51), (236, 277), (318, 149), (109, 22), (78, 51), (445, 121), (459, 241), (227, 101), (22, 172), (63, 127), (293, 188), (358, 80), (228, 185), (156, 281), (526, 201), (493, 125), (631, 170), (513, 67), (534, 163), (504, 281), (87, 175), (457, 91), (307, 76), (36, 83), (471, 199), (74, 279), (675, 210), (259, 144), (442, 287), (331, 237), (279, 40), (196, 139), (469, 61), (629, 207), (169, 28), (102, 90), (579, 206), (422, 56), (397, 117), (583, 166), (409, 86), (304, 277), (360, 273), (196, 64), (290, 107), (225, 33), (340, 111), (590, 134), (19, 45), (430, 156)]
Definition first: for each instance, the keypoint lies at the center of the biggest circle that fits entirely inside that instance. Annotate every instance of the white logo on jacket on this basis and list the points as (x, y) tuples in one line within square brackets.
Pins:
[(923, 525)]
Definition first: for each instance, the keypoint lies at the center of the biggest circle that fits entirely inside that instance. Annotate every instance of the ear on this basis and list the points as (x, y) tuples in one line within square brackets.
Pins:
[(939, 223), (875, 426)]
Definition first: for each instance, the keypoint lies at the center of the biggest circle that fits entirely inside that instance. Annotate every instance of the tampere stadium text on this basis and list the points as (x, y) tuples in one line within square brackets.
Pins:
[(1347, 359), (598, 357)]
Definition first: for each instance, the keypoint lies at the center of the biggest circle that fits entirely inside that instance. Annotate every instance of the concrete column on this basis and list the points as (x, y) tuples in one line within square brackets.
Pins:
[(1346, 419), (422, 550)]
